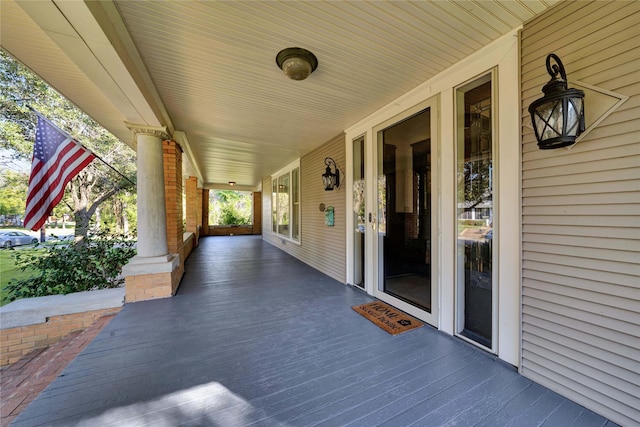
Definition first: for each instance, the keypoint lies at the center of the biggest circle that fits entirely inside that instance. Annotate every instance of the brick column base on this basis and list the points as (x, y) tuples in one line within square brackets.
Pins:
[(151, 286), (146, 280)]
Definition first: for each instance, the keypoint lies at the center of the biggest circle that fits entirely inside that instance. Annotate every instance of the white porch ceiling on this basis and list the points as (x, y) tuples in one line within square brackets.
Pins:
[(207, 69)]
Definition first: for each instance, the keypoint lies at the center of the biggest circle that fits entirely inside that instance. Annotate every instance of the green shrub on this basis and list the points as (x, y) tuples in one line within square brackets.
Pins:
[(62, 269)]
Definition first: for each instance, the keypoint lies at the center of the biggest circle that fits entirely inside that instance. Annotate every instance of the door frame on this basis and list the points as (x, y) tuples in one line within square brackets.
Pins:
[(372, 262), (503, 53)]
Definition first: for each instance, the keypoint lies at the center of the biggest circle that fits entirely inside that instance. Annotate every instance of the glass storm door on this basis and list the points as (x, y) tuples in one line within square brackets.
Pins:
[(359, 215), (404, 214), (475, 290)]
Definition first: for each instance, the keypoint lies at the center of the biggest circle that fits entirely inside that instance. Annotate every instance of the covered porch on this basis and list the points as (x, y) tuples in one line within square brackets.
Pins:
[(253, 335), (256, 337)]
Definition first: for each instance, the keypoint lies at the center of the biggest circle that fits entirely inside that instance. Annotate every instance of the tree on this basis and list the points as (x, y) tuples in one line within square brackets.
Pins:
[(474, 183), (229, 207), (13, 190), (19, 89)]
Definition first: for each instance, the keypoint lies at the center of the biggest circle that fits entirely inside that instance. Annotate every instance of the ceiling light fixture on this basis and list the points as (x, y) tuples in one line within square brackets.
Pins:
[(296, 62), (232, 183)]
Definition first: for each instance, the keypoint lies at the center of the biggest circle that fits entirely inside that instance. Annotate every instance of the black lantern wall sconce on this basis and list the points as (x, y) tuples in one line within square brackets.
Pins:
[(330, 180), (557, 117)]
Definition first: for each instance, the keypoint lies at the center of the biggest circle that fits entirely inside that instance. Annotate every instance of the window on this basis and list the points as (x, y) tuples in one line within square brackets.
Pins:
[(285, 202), (475, 210), (283, 208), (295, 200), (274, 205)]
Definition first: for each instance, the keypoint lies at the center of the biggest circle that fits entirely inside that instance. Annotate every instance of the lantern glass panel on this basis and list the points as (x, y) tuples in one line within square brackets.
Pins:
[(574, 109), (325, 181), (328, 180), (549, 120)]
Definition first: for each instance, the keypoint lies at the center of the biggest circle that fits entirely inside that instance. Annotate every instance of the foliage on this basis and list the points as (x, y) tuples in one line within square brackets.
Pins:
[(11, 272), (120, 214), (228, 207), (474, 183), (64, 269), (21, 89), (13, 192)]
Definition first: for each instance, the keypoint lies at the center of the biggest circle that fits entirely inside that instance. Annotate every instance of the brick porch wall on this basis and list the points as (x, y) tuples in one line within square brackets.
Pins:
[(205, 212), (191, 194), (172, 155), (18, 341)]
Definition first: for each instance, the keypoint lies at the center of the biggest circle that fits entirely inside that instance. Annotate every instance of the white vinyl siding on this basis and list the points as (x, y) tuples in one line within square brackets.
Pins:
[(322, 247), (581, 216)]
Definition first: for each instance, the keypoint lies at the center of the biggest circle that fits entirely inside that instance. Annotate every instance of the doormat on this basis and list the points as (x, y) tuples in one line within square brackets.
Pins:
[(388, 318)]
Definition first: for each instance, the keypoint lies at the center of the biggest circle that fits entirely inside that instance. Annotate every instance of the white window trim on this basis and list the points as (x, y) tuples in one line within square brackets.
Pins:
[(284, 171), (492, 75)]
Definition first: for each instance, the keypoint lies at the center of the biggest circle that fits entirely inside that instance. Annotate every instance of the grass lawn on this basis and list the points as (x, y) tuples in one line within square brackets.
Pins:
[(8, 270)]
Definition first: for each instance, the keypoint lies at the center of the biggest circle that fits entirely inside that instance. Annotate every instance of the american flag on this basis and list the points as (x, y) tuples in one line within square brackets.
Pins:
[(57, 158)]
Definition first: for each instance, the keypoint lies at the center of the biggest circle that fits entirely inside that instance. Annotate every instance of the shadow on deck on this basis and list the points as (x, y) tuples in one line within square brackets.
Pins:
[(255, 337)]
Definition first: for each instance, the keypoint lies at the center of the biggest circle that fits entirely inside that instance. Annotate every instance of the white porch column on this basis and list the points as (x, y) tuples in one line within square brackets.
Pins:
[(152, 231), (153, 272)]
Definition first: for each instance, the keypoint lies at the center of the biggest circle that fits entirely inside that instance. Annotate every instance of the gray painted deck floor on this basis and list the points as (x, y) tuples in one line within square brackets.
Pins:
[(256, 338)]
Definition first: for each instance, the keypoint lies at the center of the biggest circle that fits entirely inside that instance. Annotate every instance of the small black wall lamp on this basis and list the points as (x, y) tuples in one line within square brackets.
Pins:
[(330, 180), (557, 117)]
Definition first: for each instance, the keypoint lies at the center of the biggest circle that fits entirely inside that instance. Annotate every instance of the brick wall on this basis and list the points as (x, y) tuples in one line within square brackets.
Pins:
[(235, 230), (199, 213), (18, 341), (172, 155), (191, 214), (148, 286), (205, 212), (257, 213)]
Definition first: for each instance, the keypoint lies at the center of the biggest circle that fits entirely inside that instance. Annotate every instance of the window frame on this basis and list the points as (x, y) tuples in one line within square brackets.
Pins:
[(293, 209), (490, 75)]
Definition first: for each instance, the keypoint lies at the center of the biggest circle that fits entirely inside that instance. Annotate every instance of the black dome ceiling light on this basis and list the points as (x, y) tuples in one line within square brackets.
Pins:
[(296, 62)]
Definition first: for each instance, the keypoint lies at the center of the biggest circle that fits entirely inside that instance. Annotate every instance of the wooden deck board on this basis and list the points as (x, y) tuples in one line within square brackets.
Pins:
[(255, 337)]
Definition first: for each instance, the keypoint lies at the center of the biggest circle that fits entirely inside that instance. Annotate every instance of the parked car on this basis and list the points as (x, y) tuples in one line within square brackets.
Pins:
[(9, 239)]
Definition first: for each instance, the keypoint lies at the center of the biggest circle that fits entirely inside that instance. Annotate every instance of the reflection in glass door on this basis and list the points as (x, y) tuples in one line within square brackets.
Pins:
[(475, 213), (404, 212), (359, 216)]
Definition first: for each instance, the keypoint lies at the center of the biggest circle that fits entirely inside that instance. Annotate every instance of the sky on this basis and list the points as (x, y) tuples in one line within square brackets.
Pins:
[(8, 163)]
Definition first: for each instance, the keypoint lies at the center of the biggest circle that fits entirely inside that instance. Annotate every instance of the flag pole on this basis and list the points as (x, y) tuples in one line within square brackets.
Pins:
[(82, 145)]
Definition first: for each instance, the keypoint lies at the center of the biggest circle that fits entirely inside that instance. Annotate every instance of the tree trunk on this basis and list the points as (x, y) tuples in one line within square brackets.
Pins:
[(118, 213), (83, 209), (82, 218), (125, 220)]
